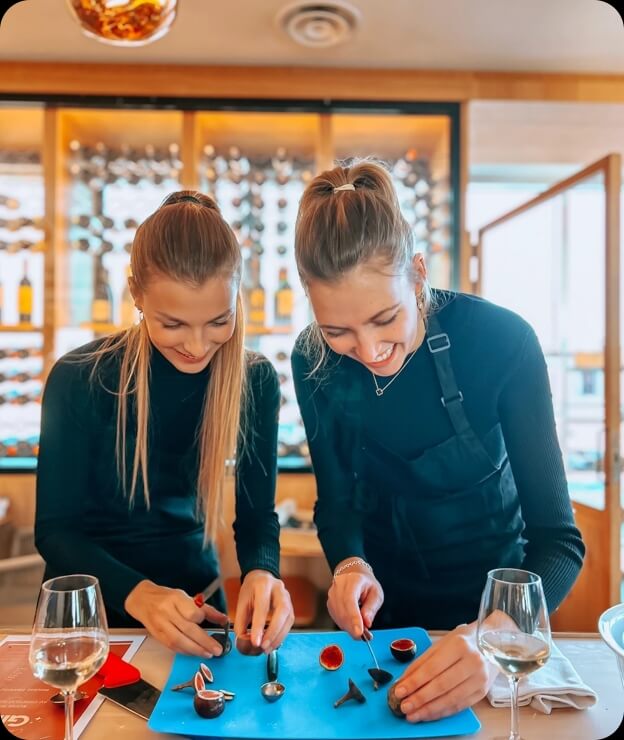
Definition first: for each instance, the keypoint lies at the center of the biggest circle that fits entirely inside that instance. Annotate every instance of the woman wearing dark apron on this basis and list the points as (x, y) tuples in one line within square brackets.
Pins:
[(432, 435)]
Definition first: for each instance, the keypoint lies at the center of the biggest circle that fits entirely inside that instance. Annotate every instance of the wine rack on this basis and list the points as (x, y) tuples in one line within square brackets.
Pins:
[(22, 258), (114, 167)]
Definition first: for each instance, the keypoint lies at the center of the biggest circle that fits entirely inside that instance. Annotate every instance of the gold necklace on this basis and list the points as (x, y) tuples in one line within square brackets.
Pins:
[(379, 391)]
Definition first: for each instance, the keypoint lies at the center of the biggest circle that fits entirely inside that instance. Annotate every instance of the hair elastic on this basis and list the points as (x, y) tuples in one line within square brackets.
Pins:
[(346, 186), (190, 198)]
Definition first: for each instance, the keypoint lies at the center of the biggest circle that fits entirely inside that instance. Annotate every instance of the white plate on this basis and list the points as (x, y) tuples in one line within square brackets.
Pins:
[(611, 627)]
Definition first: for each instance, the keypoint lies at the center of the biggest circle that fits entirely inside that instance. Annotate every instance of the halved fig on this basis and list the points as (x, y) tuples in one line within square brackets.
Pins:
[(331, 657), (352, 693), (403, 649), (379, 676), (206, 673), (198, 682)]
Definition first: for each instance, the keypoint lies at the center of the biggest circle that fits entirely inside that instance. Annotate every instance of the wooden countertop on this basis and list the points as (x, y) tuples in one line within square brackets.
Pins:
[(593, 660)]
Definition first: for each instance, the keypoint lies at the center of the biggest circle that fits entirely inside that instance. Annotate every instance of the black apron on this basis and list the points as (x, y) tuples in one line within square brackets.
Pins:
[(434, 525)]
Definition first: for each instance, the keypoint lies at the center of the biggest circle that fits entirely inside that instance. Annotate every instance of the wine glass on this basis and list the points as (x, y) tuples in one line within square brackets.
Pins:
[(69, 642), (513, 630)]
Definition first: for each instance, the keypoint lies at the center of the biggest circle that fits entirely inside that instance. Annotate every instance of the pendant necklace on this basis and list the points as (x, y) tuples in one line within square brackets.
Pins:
[(379, 390)]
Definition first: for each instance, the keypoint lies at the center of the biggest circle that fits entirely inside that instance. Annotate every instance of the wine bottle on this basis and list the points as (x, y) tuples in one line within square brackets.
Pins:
[(81, 245), (256, 294), (283, 299), (25, 297), (101, 311)]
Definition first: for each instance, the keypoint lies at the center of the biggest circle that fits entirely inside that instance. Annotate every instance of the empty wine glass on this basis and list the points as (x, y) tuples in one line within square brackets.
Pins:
[(69, 642), (513, 629)]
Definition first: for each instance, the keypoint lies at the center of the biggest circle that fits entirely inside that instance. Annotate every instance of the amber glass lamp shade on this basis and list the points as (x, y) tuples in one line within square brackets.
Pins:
[(124, 22)]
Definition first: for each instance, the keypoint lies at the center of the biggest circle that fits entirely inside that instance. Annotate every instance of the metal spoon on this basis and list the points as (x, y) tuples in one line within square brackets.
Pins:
[(379, 676), (272, 690)]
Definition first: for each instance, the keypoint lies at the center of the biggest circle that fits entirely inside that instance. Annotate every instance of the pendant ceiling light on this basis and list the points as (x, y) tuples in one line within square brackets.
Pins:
[(124, 22)]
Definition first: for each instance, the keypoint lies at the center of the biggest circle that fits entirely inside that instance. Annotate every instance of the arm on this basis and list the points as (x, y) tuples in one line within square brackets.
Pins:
[(339, 526), (453, 674), (69, 435), (355, 595), (67, 445), (554, 548), (256, 527)]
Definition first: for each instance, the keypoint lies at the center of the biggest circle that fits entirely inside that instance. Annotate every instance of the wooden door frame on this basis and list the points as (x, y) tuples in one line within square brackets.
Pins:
[(595, 589)]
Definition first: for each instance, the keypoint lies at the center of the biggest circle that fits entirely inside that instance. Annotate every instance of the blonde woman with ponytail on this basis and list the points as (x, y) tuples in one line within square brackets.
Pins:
[(431, 431), (140, 431)]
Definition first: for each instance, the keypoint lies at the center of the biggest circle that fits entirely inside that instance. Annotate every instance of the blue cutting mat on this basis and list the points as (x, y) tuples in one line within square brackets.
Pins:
[(307, 708)]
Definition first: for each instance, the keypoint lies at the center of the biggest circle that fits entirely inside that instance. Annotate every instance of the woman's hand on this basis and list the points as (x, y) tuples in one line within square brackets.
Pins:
[(450, 676), (353, 600), (263, 598), (171, 617)]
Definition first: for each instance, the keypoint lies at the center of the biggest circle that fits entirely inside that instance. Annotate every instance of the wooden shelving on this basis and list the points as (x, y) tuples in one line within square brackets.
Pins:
[(19, 328)]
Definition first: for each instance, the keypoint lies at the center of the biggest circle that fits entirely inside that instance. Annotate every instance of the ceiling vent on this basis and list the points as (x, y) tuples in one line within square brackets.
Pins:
[(319, 24)]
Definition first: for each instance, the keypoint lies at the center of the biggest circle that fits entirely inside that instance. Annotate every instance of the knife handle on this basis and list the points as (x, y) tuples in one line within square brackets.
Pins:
[(272, 665)]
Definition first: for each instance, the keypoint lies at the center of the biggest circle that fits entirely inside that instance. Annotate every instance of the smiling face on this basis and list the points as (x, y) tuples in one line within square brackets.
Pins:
[(370, 315), (188, 324)]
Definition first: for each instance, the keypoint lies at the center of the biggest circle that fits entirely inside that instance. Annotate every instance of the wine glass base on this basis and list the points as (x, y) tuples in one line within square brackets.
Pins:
[(60, 699)]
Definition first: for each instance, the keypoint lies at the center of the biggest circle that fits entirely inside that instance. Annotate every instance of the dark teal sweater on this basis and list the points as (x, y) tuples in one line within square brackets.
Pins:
[(500, 369)]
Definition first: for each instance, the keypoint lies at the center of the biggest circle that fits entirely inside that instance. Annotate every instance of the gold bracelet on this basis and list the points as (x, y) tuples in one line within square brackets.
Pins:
[(349, 564)]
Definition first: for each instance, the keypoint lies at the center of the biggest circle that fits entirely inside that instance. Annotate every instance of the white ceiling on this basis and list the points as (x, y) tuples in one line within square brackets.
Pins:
[(505, 35), (526, 133)]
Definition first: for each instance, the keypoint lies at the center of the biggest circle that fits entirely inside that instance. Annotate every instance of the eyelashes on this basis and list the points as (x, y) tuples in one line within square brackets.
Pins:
[(377, 323)]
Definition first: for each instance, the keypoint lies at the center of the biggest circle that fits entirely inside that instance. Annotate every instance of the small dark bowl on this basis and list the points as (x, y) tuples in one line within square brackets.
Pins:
[(403, 649)]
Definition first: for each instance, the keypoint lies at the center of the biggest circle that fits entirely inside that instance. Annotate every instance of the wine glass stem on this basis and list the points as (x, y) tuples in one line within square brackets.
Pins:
[(69, 715), (513, 687)]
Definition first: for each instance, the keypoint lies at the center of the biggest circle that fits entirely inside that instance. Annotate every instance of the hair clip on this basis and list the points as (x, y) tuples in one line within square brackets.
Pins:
[(346, 186)]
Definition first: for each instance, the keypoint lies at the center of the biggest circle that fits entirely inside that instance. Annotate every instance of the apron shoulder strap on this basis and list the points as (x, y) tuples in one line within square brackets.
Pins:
[(452, 398)]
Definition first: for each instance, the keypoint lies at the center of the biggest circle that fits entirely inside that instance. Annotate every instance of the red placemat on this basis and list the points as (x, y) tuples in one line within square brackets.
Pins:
[(25, 708)]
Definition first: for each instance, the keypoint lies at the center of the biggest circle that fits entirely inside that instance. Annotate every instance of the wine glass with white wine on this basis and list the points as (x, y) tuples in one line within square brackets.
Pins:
[(514, 630), (69, 642)]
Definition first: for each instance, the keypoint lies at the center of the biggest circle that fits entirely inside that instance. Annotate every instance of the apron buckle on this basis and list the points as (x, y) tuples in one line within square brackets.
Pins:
[(459, 397), (443, 343)]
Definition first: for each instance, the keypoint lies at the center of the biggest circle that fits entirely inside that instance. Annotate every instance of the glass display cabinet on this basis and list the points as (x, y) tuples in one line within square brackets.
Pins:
[(106, 169)]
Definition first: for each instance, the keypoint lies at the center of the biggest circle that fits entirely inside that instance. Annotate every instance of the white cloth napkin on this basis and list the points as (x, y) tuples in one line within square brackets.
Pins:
[(557, 684)]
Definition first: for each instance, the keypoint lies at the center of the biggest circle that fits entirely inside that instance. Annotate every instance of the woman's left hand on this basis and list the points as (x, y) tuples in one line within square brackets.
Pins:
[(262, 594), (450, 676)]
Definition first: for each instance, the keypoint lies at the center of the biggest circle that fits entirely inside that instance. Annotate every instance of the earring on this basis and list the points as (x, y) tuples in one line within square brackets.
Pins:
[(140, 310), (420, 303)]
